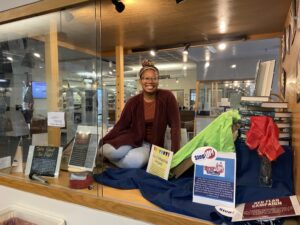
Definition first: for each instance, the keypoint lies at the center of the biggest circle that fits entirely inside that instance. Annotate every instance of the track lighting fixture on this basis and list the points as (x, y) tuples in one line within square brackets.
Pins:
[(186, 49), (118, 5)]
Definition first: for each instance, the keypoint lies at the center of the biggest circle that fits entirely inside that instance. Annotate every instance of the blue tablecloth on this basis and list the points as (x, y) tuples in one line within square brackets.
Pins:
[(176, 195)]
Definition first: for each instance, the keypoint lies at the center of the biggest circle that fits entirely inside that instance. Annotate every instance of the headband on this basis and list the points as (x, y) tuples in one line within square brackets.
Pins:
[(148, 65)]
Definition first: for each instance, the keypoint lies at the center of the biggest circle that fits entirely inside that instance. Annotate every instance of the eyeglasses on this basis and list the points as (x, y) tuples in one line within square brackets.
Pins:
[(148, 79)]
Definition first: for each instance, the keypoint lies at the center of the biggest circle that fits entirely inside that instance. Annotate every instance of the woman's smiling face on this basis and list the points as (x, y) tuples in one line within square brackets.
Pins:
[(149, 81)]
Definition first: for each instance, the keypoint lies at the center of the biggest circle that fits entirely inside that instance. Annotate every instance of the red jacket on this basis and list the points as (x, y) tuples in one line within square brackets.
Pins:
[(130, 129)]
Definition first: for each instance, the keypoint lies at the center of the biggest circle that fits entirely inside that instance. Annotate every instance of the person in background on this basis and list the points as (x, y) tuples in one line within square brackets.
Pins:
[(143, 122)]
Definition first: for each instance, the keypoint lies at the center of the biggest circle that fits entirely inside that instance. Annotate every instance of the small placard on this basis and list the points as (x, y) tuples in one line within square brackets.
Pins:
[(160, 162)]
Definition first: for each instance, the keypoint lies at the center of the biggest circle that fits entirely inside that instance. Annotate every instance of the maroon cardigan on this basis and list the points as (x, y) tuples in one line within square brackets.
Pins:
[(130, 129)]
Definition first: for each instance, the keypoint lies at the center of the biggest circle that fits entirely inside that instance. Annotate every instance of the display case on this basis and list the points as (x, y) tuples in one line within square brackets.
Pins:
[(49, 65)]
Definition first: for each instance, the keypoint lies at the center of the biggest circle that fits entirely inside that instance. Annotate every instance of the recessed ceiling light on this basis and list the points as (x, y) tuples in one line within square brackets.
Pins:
[(233, 66), (222, 46), (223, 27), (206, 64)]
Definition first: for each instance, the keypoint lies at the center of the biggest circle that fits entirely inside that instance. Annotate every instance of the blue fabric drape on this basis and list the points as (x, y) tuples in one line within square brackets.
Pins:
[(176, 195)]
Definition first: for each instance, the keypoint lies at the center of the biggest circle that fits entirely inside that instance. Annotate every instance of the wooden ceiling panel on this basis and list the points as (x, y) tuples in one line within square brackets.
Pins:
[(146, 24)]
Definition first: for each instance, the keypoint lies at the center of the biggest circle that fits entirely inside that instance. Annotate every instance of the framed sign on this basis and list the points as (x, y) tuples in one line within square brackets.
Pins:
[(43, 161)]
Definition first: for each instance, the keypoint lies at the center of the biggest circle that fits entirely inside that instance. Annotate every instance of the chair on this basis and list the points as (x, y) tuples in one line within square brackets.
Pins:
[(183, 140)]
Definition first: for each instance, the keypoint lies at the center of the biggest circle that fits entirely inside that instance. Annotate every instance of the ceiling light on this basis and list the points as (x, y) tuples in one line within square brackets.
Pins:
[(9, 58), (177, 81), (118, 5), (206, 64), (223, 27), (233, 66), (184, 67), (222, 46), (152, 52)]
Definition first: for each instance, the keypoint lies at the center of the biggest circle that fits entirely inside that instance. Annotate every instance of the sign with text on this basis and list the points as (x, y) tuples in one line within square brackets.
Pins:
[(56, 119), (43, 160), (267, 209), (214, 177), (160, 162)]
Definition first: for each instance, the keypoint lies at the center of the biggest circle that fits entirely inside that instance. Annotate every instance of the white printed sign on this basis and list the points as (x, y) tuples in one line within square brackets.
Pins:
[(56, 119)]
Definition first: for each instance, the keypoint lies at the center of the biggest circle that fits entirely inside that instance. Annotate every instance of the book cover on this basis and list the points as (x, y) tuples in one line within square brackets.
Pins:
[(159, 163), (245, 112)]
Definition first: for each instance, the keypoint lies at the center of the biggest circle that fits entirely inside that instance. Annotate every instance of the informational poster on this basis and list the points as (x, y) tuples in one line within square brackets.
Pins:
[(214, 177), (160, 162), (267, 209)]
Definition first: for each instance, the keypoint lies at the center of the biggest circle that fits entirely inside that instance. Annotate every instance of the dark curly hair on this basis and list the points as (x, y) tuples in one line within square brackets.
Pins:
[(148, 65)]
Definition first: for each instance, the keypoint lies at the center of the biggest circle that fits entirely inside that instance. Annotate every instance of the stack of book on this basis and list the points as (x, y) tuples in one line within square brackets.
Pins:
[(261, 106)]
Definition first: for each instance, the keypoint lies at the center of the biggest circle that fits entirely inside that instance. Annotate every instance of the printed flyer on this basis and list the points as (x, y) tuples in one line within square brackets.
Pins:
[(214, 177), (267, 209), (160, 162)]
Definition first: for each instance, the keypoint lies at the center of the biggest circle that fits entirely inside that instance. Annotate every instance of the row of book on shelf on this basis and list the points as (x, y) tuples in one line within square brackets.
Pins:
[(262, 106)]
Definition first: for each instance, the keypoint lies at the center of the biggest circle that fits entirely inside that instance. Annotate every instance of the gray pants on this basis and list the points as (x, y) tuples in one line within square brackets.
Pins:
[(126, 156)]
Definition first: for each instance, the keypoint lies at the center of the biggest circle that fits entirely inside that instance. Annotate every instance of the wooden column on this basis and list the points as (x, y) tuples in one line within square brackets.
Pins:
[(119, 81), (52, 79)]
